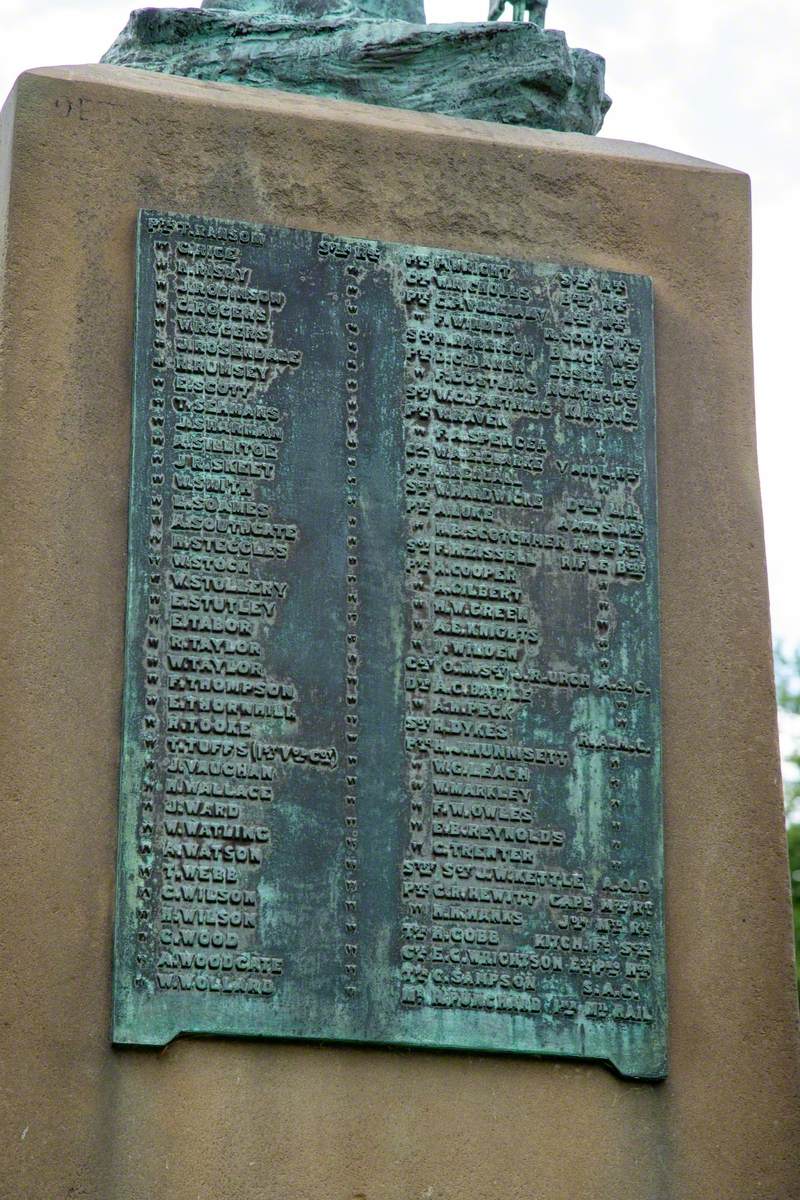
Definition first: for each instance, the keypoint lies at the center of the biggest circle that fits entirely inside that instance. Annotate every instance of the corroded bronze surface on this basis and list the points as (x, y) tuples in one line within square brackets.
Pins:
[(378, 52), (391, 761)]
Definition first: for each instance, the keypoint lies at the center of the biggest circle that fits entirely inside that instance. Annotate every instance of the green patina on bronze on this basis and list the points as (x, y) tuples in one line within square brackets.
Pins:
[(391, 757), (380, 53)]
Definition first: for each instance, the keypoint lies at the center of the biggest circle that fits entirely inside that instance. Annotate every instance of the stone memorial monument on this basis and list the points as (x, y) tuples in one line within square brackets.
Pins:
[(388, 725)]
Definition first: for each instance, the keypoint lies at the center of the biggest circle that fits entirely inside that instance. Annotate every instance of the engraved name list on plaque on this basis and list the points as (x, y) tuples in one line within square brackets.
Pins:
[(391, 747)]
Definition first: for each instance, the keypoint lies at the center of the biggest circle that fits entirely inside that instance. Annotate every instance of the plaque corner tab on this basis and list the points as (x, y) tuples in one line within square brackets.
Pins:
[(654, 1071), (127, 1033)]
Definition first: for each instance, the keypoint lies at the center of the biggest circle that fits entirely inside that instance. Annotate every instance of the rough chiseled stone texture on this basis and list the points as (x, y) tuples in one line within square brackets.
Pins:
[(85, 148), (515, 73)]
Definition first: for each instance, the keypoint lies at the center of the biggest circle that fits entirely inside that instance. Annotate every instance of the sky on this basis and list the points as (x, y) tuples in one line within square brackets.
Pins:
[(718, 79)]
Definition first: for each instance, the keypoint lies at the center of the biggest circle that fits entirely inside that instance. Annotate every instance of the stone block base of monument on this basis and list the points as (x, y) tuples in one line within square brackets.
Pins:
[(83, 150)]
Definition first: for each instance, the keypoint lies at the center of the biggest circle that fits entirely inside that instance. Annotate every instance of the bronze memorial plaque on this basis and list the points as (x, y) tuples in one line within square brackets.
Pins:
[(391, 756)]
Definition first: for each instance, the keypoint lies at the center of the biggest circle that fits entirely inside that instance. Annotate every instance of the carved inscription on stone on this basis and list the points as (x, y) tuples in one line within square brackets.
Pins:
[(391, 761)]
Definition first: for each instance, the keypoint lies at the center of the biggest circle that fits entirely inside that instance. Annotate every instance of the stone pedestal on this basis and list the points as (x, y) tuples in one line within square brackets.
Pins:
[(82, 150)]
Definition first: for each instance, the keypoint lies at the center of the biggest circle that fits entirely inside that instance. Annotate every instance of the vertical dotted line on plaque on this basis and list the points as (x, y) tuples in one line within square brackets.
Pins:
[(613, 317), (152, 632), (351, 839)]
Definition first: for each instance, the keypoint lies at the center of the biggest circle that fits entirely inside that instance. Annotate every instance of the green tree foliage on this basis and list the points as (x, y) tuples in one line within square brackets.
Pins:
[(787, 685), (794, 868), (787, 679), (787, 682)]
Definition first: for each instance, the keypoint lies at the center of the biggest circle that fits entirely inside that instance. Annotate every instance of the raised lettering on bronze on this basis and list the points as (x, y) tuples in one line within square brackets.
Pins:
[(391, 760)]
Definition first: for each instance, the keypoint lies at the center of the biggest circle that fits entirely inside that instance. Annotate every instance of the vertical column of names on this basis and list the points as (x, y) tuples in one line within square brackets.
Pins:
[(476, 444), (595, 382), (219, 590)]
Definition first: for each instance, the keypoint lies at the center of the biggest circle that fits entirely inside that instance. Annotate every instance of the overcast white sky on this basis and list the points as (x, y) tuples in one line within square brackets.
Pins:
[(719, 79)]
